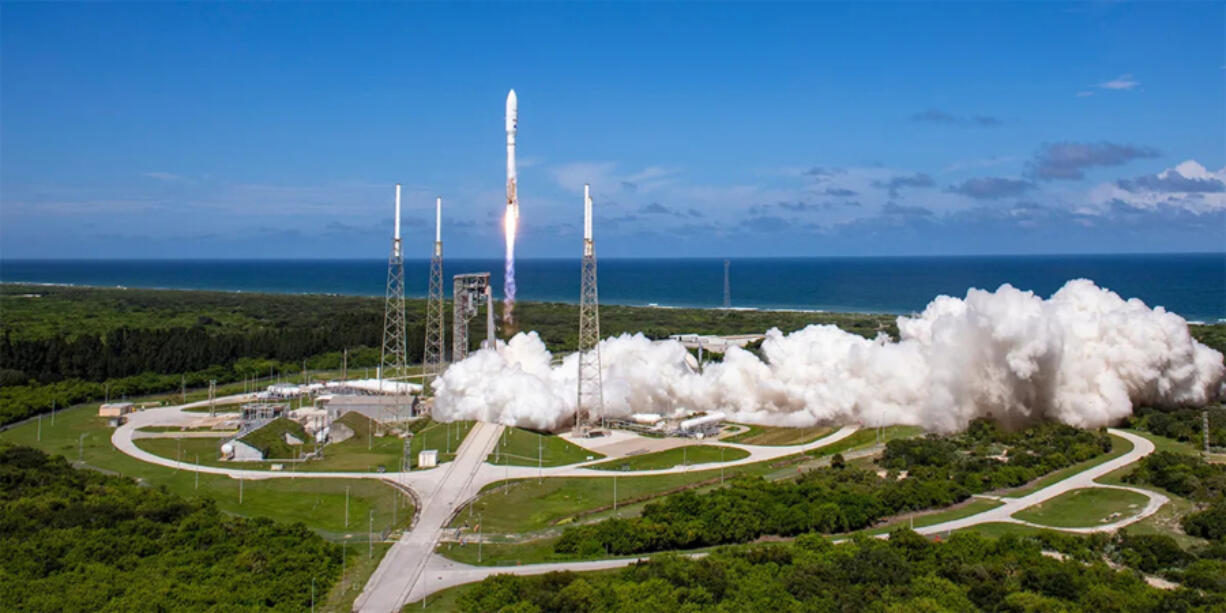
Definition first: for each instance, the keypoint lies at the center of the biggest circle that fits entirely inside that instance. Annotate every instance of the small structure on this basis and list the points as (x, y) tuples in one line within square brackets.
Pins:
[(239, 451), (261, 412), (383, 409), (428, 458), (115, 409), (702, 427)]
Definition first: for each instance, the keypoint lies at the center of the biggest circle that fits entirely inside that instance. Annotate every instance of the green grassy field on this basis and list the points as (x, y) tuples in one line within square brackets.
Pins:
[(359, 566), (1084, 508), (1166, 520), (361, 453), (773, 435), (81, 436), (520, 447), (973, 507), (688, 455), (529, 505), (1119, 446), (999, 529)]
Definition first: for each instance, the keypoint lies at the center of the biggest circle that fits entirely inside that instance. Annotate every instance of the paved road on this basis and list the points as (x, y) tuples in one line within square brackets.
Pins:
[(1141, 447), (442, 573), (411, 570), (388, 588)]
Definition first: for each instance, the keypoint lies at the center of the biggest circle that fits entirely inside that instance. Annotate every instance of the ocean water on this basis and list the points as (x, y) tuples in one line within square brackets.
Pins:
[(1193, 285)]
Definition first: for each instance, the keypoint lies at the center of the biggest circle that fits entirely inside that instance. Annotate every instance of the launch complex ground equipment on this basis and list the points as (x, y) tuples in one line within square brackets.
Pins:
[(468, 293)]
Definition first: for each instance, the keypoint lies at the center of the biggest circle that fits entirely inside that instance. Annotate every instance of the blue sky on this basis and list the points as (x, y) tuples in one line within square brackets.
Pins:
[(276, 130)]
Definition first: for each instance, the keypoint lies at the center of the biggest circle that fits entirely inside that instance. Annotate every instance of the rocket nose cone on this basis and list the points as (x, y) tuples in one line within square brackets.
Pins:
[(511, 99)]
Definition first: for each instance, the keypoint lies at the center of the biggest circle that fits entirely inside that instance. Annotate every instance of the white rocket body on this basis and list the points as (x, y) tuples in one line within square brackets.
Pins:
[(512, 128)]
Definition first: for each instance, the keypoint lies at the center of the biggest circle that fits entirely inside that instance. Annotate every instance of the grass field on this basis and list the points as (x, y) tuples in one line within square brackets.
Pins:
[(1166, 520), (774, 435), (972, 507), (527, 505), (999, 529), (359, 566), (1119, 446), (520, 447), (361, 453), (1084, 508), (678, 456), (81, 436)]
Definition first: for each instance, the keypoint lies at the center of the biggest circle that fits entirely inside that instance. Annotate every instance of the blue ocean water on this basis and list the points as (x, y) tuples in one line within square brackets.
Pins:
[(1193, 285)]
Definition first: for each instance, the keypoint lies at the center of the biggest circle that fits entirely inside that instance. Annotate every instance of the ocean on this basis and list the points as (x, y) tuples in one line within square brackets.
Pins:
[(1193, 285)]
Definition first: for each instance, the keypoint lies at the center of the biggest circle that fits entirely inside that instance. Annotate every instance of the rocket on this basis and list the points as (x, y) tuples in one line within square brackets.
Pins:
[(512, 128)]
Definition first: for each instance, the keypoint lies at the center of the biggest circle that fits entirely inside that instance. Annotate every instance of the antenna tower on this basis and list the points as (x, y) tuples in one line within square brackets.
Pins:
[(591, 393), (393, 357), (727, 288), (434, 354)]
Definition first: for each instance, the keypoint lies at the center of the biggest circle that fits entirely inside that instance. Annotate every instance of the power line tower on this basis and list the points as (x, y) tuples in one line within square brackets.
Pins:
[(467, 294), (591, 393), (727, 288), (393, 354), (432, 358)]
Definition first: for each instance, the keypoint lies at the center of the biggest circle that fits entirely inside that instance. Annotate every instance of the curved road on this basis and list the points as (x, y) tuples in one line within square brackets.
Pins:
[(412, 571)]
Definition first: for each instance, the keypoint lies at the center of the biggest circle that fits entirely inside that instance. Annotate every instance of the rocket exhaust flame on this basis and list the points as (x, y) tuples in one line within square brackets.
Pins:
[(510, 222)]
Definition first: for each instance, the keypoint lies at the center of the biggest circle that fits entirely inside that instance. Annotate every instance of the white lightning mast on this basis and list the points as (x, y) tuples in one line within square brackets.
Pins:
[(433, 357), (590, 394)]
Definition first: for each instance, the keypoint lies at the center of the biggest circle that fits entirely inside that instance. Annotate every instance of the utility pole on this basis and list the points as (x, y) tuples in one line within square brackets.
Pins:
[(212, 397), (346, 506), (615, 495), (345, 364), (479, 538), (182, 389), (371, 541)]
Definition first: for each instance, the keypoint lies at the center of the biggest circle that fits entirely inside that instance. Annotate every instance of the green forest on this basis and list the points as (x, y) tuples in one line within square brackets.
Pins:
[(67, 345), (79, 540), (940, 471)]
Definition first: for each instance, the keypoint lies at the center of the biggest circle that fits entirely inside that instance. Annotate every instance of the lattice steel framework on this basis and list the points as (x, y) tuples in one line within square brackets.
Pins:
[(468, 293), (393, 357), (433, 357), (590, 399)]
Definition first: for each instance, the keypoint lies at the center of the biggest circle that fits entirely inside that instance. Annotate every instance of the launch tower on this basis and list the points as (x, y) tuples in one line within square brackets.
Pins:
[(591, 394), (393, 357), (433, 357), (467, 294)]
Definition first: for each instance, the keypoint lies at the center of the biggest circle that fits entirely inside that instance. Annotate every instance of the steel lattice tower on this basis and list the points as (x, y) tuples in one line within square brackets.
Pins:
[(590, 399), (433, 357), (467, 295), (394, 355)]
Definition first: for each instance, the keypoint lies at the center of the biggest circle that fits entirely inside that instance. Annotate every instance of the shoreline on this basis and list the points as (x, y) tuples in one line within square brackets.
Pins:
[(414, 297), (650, 305)]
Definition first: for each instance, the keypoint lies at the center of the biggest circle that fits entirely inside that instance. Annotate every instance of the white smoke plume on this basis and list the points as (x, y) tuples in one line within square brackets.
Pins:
[(1083, 357)]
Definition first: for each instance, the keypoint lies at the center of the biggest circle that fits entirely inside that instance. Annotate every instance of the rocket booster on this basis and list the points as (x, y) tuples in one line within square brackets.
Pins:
[(512, 128)]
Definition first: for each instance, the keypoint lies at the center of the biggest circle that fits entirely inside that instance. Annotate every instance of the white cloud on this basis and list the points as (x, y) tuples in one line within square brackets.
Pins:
[(1122, 82), (1188, 186)]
